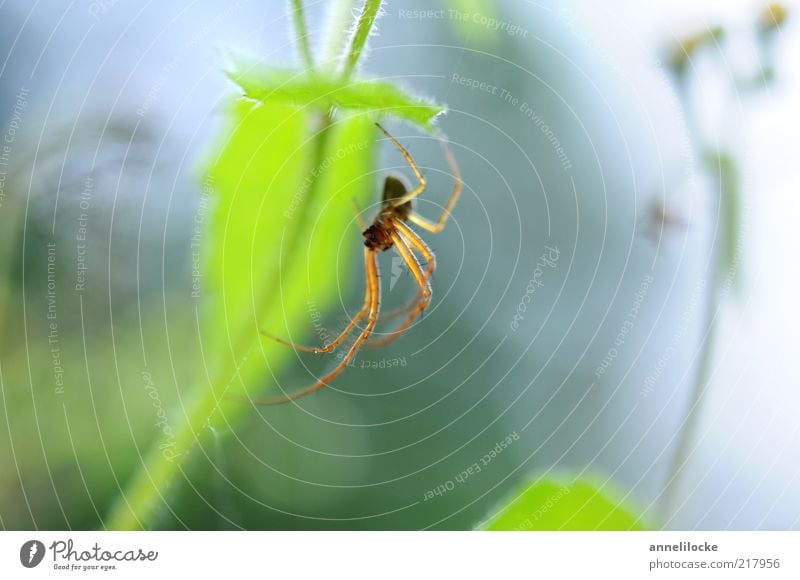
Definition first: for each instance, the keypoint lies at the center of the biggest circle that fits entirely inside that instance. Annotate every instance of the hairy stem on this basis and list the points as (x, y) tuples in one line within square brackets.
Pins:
[(337, 32), (301, 31), (366, 19)]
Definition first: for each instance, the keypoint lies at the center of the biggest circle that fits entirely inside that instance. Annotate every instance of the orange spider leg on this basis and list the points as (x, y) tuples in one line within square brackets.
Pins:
[(436, 227), (422, 280), (422, 183), (348, 329), (397, 312), (328, 347), (372, 303), (334, 343), (413, 238)]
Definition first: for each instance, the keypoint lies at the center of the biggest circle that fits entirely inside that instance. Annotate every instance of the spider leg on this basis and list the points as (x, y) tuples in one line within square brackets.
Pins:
[(417, 243), (436, 227), (422, 183), (397, 312), (328, 347), (372, 303), (348, 329), (424, 289)]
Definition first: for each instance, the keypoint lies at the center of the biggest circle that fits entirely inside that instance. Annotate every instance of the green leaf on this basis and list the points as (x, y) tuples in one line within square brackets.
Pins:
[(554, 504), (305, 89), (283, 184), (280, 236)]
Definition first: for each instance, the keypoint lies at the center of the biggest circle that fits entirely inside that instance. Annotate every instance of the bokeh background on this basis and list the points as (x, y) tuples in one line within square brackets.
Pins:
[(577, 140)]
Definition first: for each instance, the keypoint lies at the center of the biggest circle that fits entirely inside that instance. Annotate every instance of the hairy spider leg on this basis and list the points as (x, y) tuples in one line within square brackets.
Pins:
[(328, 347), (348, 329), (430, 258), (422, 281), (422, 183), (423, 295), (417, 242), (397, 311), (372, 303), (436, 227)]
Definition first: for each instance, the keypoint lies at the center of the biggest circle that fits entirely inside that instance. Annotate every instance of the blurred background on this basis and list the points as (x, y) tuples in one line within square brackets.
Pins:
[(604, 148)]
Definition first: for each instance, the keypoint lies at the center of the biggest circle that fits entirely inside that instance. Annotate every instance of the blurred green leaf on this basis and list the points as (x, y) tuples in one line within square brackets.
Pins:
[(280, 237), (10, 226), (474, 21), (254, 179), (554, 504), (283, 185), (278, 86)]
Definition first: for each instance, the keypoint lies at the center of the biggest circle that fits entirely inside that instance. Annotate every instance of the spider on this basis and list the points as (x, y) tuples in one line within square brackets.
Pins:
[(388, 230)]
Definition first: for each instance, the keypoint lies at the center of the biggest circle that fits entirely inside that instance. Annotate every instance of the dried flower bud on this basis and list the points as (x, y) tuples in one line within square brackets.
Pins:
[(681, 54)]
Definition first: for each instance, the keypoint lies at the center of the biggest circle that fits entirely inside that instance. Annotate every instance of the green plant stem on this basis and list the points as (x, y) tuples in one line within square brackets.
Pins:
[(301, 30), (363, 27), (688, 432), (140, 504), (723, 269), (337, 29)]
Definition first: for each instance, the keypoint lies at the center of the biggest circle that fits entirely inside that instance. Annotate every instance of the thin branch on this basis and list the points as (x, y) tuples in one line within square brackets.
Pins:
[(688, 431), (724, 273), (363, 27), (337, 32), (301, 30)]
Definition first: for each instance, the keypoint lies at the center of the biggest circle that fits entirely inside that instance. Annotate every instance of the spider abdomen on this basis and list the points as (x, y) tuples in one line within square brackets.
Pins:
[(378, 236)]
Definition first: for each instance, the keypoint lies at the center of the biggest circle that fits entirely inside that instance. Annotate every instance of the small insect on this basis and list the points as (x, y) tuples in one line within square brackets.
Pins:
[(388, 230), (661, 220)]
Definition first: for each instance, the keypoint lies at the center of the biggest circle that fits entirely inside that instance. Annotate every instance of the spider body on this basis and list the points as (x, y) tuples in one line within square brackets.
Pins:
[(378, 236), (388, 230), (394, 188)]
